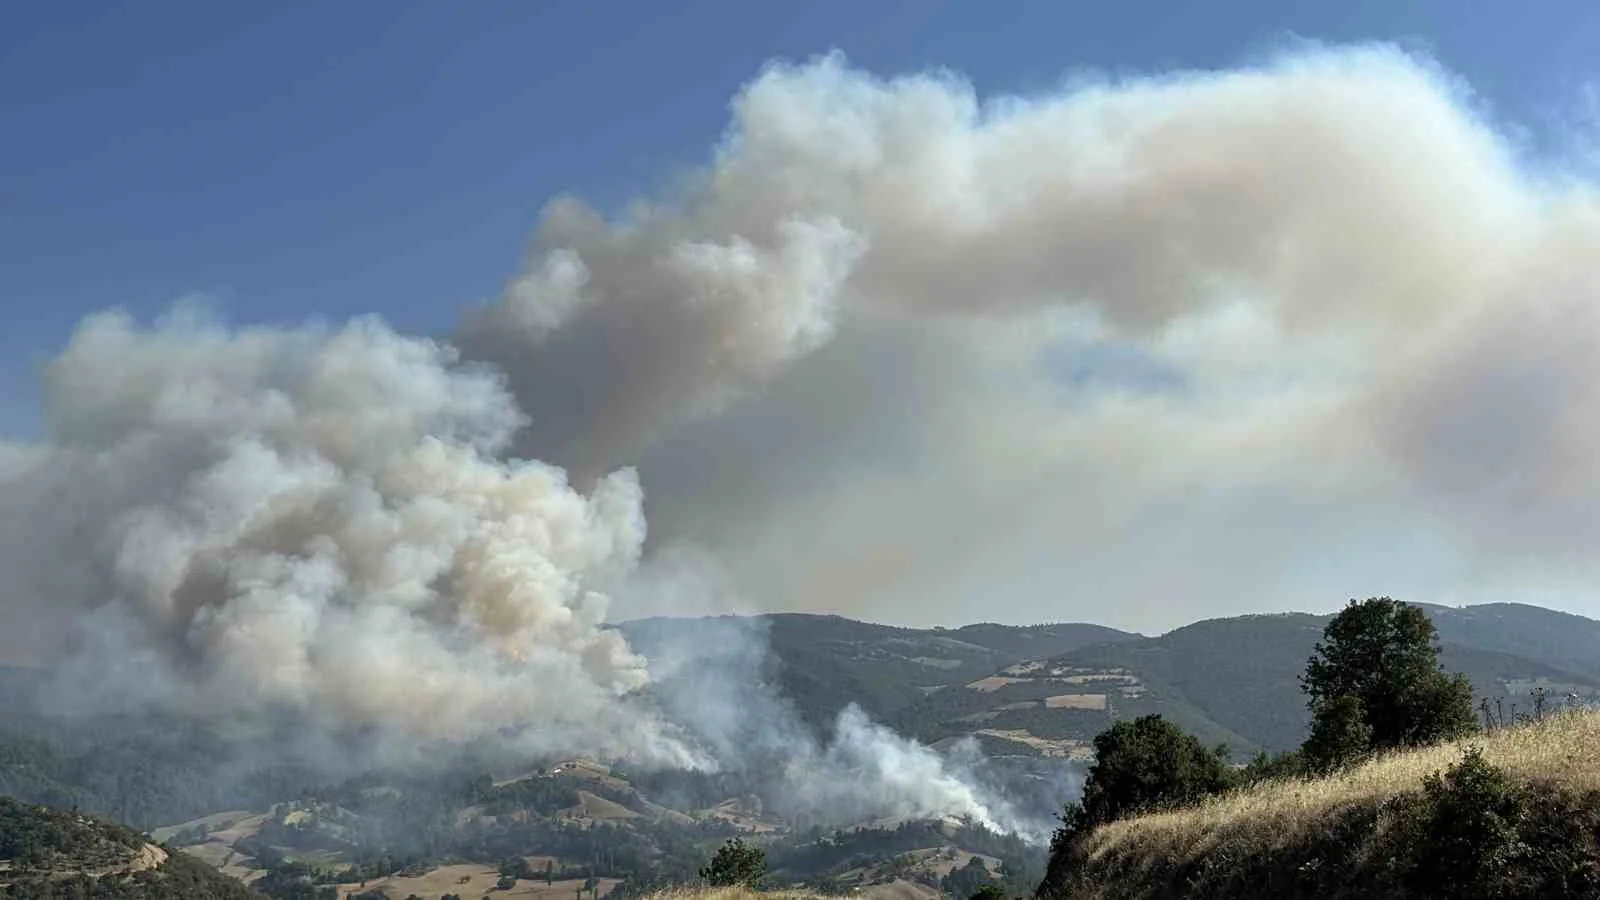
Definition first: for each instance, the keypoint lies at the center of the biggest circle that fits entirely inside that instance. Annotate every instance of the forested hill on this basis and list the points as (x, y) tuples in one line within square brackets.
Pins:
[(825, 662), (47, 853), (1236, 680), (1242, 673)]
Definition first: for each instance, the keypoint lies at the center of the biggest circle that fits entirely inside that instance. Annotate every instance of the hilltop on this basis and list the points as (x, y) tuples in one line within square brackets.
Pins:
[(1347, 835), (47, 853)]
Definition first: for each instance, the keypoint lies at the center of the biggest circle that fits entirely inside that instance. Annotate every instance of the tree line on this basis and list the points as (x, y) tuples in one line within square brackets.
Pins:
[(1373, 684)]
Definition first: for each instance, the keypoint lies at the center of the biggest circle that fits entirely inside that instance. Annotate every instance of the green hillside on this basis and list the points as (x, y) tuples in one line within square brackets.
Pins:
[(48, 853), (1235, 680), (1242, 673), (822, 663)]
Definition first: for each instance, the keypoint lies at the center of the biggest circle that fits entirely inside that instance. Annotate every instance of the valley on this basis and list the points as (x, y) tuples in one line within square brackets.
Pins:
[(1028, 700)]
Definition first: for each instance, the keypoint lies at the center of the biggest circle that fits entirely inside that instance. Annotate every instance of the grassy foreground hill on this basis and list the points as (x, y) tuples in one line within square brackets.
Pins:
[(1524, 821)]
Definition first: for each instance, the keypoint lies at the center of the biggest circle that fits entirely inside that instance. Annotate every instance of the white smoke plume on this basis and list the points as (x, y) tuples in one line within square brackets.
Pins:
[(316, 520), (713, 681), (1188, 344), (868, 771), (1076, 313)]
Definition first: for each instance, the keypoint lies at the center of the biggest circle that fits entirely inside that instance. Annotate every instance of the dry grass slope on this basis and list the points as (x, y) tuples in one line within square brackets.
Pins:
[(899, 890), (1140, 857)]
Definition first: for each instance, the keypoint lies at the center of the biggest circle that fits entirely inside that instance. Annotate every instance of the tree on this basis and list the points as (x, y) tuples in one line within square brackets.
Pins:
[(1383, 653), (736, 864), (989, 892), (1146, 763), (969, 880), (1139, 765), (1340, 734)]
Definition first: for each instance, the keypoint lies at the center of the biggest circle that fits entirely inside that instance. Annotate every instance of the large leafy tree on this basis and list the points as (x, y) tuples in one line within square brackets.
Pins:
[(1379, 658)]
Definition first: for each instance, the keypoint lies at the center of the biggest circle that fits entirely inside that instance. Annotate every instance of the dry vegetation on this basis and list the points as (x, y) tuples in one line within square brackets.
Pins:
[(1560, 749), (898, 890), (1299, 819), (471, 881)]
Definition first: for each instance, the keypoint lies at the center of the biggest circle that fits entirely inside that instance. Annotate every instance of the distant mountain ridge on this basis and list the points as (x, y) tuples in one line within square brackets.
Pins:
[(823, 662), (1047, 689), (1236, 680)]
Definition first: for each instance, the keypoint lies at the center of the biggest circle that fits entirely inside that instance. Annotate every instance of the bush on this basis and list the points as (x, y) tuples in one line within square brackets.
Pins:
[(736, 864), (1466, 837), (1141, 765)]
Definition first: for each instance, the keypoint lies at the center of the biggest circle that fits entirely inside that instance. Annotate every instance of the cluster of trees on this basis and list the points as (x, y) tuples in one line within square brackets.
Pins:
[(142, 771), (33, 837), (179, 878), (817, 857), (736, 864), (49, 854), (1374, 683)]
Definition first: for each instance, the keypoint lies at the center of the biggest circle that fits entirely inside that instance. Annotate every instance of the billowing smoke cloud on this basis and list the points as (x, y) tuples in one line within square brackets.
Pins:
[(317, 521), (1092, 337), (1135, 352)]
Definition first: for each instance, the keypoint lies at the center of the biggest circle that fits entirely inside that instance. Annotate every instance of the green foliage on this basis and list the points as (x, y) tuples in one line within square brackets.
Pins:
[(970, 880), (517, 867), (988, 892), (50, 851), (1382, 653), (1339, 736), (1144, 764), (1269, 767), (1141, 765), (736, 864), (1468, 830)]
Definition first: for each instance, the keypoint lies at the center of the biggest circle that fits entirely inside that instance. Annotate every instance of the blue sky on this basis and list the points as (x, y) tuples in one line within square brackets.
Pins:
[(294, 159)]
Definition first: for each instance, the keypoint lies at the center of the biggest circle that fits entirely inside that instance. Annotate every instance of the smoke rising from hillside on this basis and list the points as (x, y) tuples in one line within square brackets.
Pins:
[(1175, 343), (713, 680)]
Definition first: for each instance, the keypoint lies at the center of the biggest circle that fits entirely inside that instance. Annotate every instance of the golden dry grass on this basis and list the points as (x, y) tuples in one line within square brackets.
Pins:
[(732, 893), (1559, 750), (470, 880), (898, 890)]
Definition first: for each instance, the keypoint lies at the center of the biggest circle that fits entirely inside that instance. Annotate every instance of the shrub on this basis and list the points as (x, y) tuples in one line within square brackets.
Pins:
[(1467, 837), (736, 864)]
